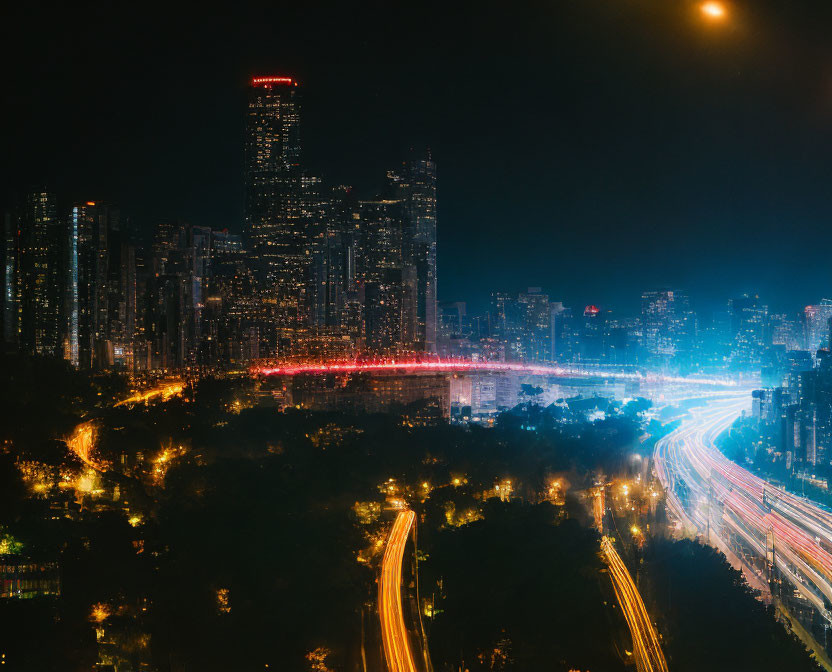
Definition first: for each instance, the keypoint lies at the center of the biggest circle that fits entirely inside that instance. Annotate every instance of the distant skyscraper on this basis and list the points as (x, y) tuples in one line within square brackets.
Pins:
[(41, 248), (273, 195), (416, 186), (816, 324), (10, 261), (668, 325), (748, 330), (99, 284)]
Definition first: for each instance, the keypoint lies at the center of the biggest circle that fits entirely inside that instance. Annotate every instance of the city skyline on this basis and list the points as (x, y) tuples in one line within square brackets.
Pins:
[(569, 177), (416, 337)]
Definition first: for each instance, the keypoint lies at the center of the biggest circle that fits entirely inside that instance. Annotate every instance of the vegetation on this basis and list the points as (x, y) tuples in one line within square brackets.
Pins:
[(221, 534)]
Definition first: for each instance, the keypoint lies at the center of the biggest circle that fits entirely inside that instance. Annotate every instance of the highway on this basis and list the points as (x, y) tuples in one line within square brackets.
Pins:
[(462, 365), (732, 508), (397, 649), (647, 649), (164, 391)]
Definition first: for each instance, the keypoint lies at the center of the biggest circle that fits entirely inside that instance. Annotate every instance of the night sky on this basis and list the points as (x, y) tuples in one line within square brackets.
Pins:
[(594, 147)]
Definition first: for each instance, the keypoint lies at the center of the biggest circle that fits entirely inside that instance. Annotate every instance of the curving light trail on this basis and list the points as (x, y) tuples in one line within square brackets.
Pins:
[(717, 498), (82, 443), (647, 649), (164, 391), (458, 365), (394, 634)]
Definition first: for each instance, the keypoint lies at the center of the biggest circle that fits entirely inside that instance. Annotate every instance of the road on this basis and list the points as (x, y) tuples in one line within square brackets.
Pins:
[(164, 391), (397, 649), (729, 506), (647, 649), (462, 365)]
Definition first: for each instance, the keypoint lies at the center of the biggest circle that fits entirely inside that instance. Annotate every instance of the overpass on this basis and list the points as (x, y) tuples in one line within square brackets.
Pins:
[(415, 366)]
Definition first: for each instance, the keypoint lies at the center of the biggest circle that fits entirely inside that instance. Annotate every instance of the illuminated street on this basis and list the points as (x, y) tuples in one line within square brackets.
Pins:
[(731, 508), (488, 338), (397, 648), (163, 391), (647, 648), (454, 365)]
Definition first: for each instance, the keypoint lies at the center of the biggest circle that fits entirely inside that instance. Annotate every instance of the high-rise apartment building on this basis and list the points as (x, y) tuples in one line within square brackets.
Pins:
[(415, 185), (668, 325), (816, 325), (40, 248), (274, 197)]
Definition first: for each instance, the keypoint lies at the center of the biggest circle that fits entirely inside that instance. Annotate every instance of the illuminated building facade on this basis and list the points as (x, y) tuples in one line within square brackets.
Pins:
[(274, 197), (668, 323), (22, 578), (425, 397), (748, 331), (415, 185), (41, 246), (816, 325), (9, 313)]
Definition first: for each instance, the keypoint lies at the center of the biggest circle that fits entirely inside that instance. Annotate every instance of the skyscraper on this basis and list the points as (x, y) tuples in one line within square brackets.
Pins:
[(816, 324), (668, 324), (415, 185), (273, 196), (41, 248)]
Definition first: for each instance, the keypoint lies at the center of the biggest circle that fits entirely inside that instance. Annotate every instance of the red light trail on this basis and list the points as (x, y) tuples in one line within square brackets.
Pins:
[(454, 366)]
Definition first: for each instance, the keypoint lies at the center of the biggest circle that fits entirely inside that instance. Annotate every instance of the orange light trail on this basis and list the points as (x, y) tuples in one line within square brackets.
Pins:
[(165, 391), (82, 443), (394, 634), (647, 649)]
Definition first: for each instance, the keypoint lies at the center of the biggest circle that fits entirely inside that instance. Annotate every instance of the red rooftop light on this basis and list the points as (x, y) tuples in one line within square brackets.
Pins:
[(268, 81)]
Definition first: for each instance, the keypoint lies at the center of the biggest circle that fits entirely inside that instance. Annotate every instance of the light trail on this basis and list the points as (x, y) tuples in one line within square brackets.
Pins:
[(458, 365), (394, 634), (647, 649), (720, 500), (165, 391), (82, 443)]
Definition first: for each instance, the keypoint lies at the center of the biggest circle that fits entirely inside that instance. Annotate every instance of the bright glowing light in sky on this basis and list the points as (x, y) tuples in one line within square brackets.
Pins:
[(713, 10)]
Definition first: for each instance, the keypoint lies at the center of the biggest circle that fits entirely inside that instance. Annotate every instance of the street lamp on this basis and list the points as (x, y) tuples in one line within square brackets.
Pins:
[(715, 11)]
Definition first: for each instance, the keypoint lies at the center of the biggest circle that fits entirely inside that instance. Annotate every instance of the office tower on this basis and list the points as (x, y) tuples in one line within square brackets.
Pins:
[(506, 318), (41, 248), (558, 314), (590, 339), (316, 215), (9, 260), (273, 197), (99, 315), (453, 320), (668, 325), (747, 331), (784, 331), (415, 185), (232, 319), (340, 248), (389, 288), (537, 325), (816, 325)]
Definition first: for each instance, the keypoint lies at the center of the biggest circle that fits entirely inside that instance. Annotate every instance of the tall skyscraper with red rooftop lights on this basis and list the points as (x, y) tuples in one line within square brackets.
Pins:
[(273, 196)]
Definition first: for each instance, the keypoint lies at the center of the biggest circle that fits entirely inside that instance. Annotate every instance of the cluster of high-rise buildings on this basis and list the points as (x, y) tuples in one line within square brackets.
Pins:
[(317, 273), (665, 334), (320, 273)]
